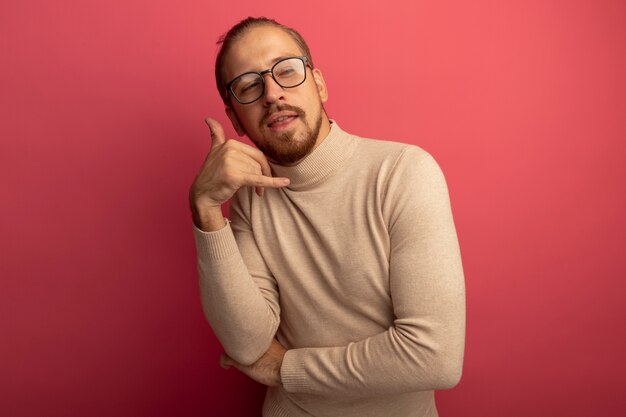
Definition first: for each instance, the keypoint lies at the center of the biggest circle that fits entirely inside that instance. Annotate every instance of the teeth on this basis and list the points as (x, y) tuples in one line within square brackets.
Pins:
[(281, 119)]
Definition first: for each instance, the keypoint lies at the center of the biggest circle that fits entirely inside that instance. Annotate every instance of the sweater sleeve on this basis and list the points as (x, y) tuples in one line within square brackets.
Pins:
[(423, 349), (239, 295)]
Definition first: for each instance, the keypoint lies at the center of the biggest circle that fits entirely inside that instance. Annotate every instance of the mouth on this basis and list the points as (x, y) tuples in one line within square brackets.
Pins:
[(281, 120)]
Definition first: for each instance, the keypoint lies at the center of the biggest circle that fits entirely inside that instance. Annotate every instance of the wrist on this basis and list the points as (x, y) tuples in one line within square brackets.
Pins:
[(207, 218), (279, 375)]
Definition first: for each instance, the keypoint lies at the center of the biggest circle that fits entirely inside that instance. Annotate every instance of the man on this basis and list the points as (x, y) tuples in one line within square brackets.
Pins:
[(338, 280)]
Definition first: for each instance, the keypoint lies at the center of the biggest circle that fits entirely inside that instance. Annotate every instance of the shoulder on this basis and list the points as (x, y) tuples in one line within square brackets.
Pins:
[(399, 166), (393, 157)]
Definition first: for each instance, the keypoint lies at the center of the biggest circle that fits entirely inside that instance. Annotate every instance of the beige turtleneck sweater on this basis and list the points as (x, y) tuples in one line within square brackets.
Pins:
[(355, 268)]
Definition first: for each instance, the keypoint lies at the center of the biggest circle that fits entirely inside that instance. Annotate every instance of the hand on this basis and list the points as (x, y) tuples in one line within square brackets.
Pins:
[(266, 369), (229, 166)]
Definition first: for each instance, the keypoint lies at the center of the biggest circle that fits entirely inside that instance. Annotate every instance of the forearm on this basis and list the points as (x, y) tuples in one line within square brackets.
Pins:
[(243, 314), (408, 357), (241, 307)]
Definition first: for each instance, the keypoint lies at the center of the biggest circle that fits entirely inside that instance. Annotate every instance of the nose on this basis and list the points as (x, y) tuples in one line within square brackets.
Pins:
[(273, 92)]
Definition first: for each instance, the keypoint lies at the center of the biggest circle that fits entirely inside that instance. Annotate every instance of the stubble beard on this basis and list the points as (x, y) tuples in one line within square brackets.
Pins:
[(286, 149)]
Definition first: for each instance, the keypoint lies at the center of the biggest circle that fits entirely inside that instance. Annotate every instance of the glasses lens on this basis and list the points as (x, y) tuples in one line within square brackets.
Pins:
[(247, 87), (289, 72)]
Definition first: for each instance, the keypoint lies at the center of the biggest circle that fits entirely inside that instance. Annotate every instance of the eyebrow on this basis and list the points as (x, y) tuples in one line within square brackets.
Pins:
[(275, 60), (278, 58)]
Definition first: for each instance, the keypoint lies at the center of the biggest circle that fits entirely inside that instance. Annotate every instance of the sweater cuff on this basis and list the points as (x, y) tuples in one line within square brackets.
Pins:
[(292, 372), (215, 245)]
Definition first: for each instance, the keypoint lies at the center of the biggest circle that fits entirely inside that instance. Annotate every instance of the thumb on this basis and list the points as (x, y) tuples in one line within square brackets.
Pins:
[(217, 131)]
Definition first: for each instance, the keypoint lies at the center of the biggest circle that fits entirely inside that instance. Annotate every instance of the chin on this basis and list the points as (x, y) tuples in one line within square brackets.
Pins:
[(286, 149), (289, 147)]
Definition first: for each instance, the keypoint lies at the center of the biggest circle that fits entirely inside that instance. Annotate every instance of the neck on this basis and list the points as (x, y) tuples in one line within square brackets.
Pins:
[(324, 130), (332, 153)]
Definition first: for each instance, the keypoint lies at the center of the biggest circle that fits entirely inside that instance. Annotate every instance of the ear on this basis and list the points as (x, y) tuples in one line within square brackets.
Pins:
[(320, 84), (235, 121)]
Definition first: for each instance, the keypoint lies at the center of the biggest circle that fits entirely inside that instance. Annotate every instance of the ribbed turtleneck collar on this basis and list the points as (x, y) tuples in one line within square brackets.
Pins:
[(335, 149)]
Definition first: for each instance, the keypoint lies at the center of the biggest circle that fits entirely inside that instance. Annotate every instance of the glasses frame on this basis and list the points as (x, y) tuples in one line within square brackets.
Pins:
[(261, 74)]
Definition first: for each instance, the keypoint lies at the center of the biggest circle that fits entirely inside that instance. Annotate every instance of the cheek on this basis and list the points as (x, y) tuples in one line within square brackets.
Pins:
[(316, 102), (249, 120)]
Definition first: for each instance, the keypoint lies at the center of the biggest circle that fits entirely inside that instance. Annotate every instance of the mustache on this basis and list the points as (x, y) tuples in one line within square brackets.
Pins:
[(282, 107)]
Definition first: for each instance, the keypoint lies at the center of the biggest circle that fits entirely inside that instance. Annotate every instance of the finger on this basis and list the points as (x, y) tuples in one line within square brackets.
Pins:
[(240, 169), (255, 154), (263, 181), (246, 164), (255, 168), (217, 131)]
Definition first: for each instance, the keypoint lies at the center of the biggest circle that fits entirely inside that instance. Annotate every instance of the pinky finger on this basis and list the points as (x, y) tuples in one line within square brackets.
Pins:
[(263, 181)]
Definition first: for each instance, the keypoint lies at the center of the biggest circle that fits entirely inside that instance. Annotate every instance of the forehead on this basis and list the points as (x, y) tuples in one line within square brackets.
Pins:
[(257, 49)]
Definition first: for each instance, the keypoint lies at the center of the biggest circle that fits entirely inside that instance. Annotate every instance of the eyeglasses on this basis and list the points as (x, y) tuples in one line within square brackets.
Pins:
[(250, 86)]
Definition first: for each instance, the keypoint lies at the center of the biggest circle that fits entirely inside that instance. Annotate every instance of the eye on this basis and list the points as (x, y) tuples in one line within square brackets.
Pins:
[(250, 85), (285, 71)]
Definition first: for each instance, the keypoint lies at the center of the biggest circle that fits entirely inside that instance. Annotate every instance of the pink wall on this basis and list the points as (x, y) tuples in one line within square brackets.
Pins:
[(523, 103)]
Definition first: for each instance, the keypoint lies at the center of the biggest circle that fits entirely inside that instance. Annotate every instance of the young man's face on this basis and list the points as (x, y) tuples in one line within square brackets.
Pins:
[(285, 123)]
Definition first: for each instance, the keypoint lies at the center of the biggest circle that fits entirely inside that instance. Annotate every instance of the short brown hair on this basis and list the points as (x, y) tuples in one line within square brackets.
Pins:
[(226, 40)]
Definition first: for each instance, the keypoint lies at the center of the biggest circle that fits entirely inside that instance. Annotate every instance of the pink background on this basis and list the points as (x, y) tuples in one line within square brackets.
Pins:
[(523, 103)]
